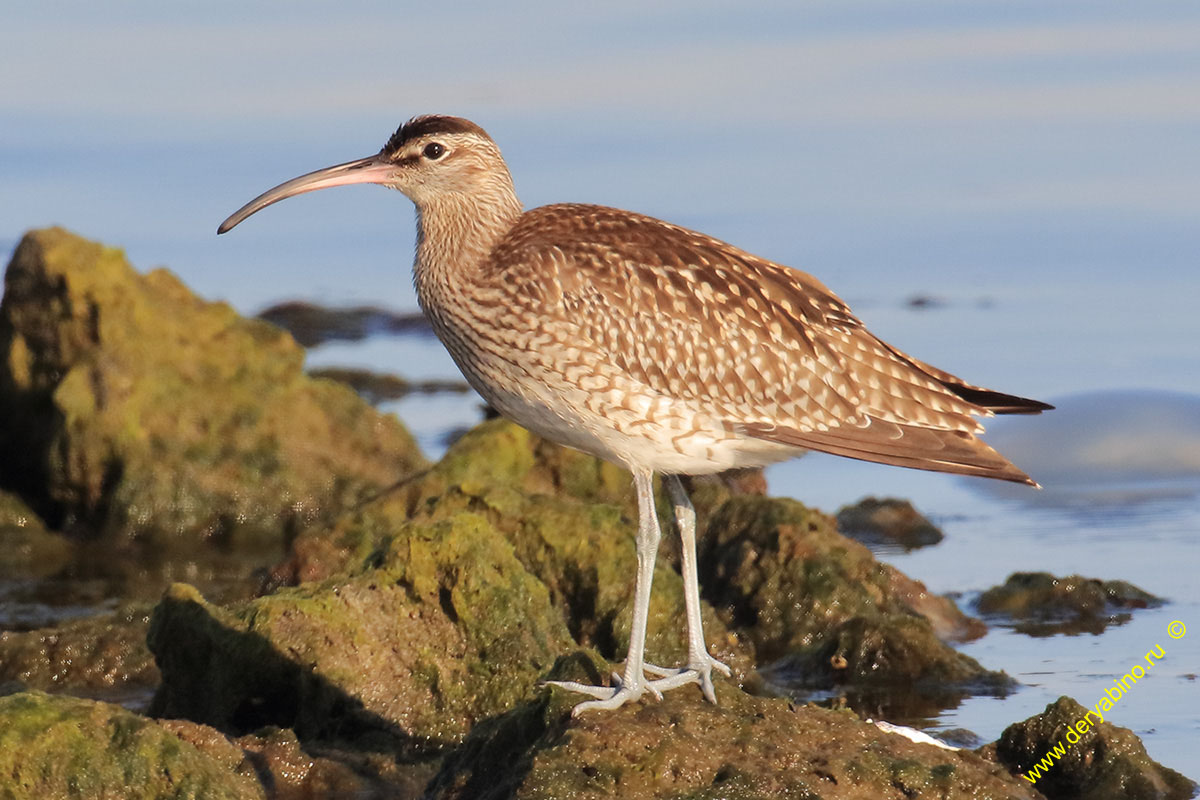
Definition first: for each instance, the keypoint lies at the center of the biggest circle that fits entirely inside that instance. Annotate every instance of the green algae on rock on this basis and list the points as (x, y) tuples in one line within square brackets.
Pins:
[(65, 747), (683, 747), (443, 627), (450, 613), (1042, 605), (493, 454), (130, 407), (1104, 762), (560, 510)]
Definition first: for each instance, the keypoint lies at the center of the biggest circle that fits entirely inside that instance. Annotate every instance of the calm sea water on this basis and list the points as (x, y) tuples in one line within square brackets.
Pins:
[(1032, 168)]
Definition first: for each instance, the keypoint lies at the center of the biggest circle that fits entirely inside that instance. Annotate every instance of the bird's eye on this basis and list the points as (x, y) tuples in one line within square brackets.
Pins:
[(433, 151)]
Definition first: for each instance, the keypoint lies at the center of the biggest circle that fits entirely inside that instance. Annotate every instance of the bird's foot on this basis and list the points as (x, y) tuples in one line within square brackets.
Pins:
[(608, 698), (699, 670)]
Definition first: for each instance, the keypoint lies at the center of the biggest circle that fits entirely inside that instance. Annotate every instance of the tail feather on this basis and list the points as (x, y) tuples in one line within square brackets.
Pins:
[(956, 452)]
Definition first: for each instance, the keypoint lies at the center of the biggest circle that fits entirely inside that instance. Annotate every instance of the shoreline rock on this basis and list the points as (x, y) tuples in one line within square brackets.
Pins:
[(131, 409)]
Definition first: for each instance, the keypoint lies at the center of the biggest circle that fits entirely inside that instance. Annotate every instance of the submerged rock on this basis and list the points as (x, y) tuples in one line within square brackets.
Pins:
[(1066, 753), (130, 407), (1042, 605), (379, 387), (684, 747), (312, 324), (65, 747)]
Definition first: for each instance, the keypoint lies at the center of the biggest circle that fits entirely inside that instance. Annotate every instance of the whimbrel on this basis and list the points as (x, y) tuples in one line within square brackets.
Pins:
[(654, 347)]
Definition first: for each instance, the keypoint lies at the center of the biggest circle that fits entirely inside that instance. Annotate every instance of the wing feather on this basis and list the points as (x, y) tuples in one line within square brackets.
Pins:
[(768, 350)]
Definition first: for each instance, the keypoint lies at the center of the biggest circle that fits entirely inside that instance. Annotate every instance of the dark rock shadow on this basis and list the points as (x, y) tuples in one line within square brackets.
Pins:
[(238, 682)]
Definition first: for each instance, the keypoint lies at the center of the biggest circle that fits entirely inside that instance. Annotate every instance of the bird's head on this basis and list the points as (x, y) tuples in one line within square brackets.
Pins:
[(429, 158)]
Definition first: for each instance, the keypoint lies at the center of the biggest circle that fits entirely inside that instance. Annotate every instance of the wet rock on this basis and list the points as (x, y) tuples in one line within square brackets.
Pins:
[(130, 407), (1043, 605), (95, 655), (948, 621), (889, 664), (27, 549), (875, 521), (312, 324), (822, 613), (1104, 761), (683, 747), (60, 747), (291, 772)]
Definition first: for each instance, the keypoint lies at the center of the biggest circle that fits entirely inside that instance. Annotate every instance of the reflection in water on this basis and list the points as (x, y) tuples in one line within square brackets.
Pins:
[(1102, 454)]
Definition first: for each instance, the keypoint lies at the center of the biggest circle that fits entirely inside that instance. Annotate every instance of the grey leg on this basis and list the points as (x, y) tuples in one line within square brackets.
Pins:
[(633, 683), (700, 664)]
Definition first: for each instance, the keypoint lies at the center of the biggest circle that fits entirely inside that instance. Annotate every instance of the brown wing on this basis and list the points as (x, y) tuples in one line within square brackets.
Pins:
[(768, 350)]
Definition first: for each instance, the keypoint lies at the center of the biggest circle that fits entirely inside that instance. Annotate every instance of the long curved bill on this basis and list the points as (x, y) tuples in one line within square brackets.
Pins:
[(372, 169)]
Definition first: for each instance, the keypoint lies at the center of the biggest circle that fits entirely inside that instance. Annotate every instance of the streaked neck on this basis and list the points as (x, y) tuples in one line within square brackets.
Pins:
[(457, 232)]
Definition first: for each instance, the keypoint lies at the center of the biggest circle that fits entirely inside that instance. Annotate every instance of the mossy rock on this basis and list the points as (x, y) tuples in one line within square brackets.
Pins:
[(1104, 763), (493, 454), (498, 453), (445, 628), (65, 747), (782, 573), (585, 555), (454, 616), (130, 407), (1042, 604), (683, 747), (887, 652)]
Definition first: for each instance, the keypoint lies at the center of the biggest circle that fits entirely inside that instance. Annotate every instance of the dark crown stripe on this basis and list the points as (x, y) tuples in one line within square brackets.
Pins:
[(429, 124)]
